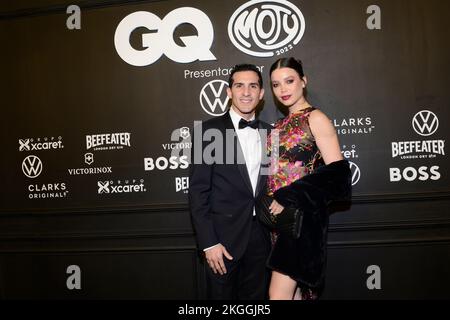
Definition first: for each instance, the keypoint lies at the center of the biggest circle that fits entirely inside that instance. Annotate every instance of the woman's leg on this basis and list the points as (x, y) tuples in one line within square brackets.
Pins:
[(282, 287)]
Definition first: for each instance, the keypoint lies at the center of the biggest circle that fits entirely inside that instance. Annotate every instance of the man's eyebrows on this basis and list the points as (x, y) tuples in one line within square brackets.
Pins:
[(242, 83)]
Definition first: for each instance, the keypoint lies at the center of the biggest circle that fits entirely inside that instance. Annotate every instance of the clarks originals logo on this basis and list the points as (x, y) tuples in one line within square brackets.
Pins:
[(56, 190), (354, 125), (263, 28), (159, 38)]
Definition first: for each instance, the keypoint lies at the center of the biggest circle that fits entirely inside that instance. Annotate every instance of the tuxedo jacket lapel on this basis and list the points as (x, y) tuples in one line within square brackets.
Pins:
[(237, 151), (263, 134)]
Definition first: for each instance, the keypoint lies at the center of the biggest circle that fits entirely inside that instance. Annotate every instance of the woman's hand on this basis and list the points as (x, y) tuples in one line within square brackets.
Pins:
[(275, 208)]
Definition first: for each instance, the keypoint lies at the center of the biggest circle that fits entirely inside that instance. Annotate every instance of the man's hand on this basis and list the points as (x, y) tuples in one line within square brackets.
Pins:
[(214, 257)]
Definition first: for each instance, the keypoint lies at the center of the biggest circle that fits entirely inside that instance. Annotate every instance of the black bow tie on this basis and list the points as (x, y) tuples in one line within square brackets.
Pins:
[(252, 124)]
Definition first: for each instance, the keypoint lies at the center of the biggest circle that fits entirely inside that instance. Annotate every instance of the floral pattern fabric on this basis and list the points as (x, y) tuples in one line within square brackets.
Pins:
[(292, 150)]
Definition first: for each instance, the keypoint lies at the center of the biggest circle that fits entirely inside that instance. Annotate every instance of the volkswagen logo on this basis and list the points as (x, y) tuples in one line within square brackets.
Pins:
[(425, 123), (32, 166), (214, 98), (356, 172)]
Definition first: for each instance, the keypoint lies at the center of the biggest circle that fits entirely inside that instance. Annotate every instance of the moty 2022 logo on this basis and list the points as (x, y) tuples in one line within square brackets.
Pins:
[(263, 28)]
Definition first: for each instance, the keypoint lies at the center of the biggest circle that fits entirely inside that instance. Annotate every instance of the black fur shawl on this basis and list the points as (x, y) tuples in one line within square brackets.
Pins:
[(312, 194)]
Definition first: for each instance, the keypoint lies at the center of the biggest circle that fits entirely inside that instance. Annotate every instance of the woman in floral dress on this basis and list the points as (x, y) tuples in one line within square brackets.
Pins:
[(301, 142)]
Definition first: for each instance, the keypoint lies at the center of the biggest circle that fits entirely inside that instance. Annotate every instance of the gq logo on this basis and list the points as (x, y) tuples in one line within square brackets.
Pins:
[(160, 41), (263, 28)]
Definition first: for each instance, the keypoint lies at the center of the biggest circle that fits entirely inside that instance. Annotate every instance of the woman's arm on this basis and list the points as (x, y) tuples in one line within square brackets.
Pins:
[(326, 137)]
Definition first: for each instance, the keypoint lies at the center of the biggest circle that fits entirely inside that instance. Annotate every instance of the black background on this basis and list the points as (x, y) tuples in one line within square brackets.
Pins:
[(72, 83)]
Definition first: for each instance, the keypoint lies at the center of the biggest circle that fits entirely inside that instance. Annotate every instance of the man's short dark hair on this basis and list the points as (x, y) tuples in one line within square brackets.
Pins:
[(245, 67)]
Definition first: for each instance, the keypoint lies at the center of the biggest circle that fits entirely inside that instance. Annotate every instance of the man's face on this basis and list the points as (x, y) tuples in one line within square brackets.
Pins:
[(245, 93)]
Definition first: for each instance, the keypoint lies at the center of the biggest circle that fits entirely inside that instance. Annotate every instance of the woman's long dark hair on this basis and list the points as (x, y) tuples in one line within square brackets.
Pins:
[(288, 63)]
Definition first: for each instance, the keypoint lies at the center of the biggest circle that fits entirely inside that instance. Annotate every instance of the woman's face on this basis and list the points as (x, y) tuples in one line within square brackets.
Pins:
[(287, 86)]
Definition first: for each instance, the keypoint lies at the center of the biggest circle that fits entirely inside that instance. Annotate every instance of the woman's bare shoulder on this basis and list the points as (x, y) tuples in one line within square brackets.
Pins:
[(317, 116)]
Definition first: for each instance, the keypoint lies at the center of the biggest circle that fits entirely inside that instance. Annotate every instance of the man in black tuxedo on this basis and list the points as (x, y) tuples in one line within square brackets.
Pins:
[(225, 179)]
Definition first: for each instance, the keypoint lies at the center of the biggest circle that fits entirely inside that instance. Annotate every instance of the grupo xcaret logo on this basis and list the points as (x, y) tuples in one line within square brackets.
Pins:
[(121, 187), (264, 28), (39, 144)]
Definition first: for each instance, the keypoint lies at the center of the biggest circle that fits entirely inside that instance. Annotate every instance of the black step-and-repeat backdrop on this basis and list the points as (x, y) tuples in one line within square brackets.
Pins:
[(101, 115)]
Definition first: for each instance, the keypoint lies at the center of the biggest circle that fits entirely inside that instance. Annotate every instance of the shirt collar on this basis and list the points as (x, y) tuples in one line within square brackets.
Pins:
[(236, 118)]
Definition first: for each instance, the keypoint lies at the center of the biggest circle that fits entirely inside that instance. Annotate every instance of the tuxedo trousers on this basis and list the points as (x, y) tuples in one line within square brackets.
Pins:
[(247, 278)]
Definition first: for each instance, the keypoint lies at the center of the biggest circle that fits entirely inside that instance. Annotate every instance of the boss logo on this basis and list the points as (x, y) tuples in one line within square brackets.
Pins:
[(411, 174), (155, 44), (263, 28), (162, 163)]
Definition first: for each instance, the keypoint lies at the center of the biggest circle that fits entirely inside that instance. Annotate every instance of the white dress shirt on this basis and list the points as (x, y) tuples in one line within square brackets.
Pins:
[(251, 147)]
